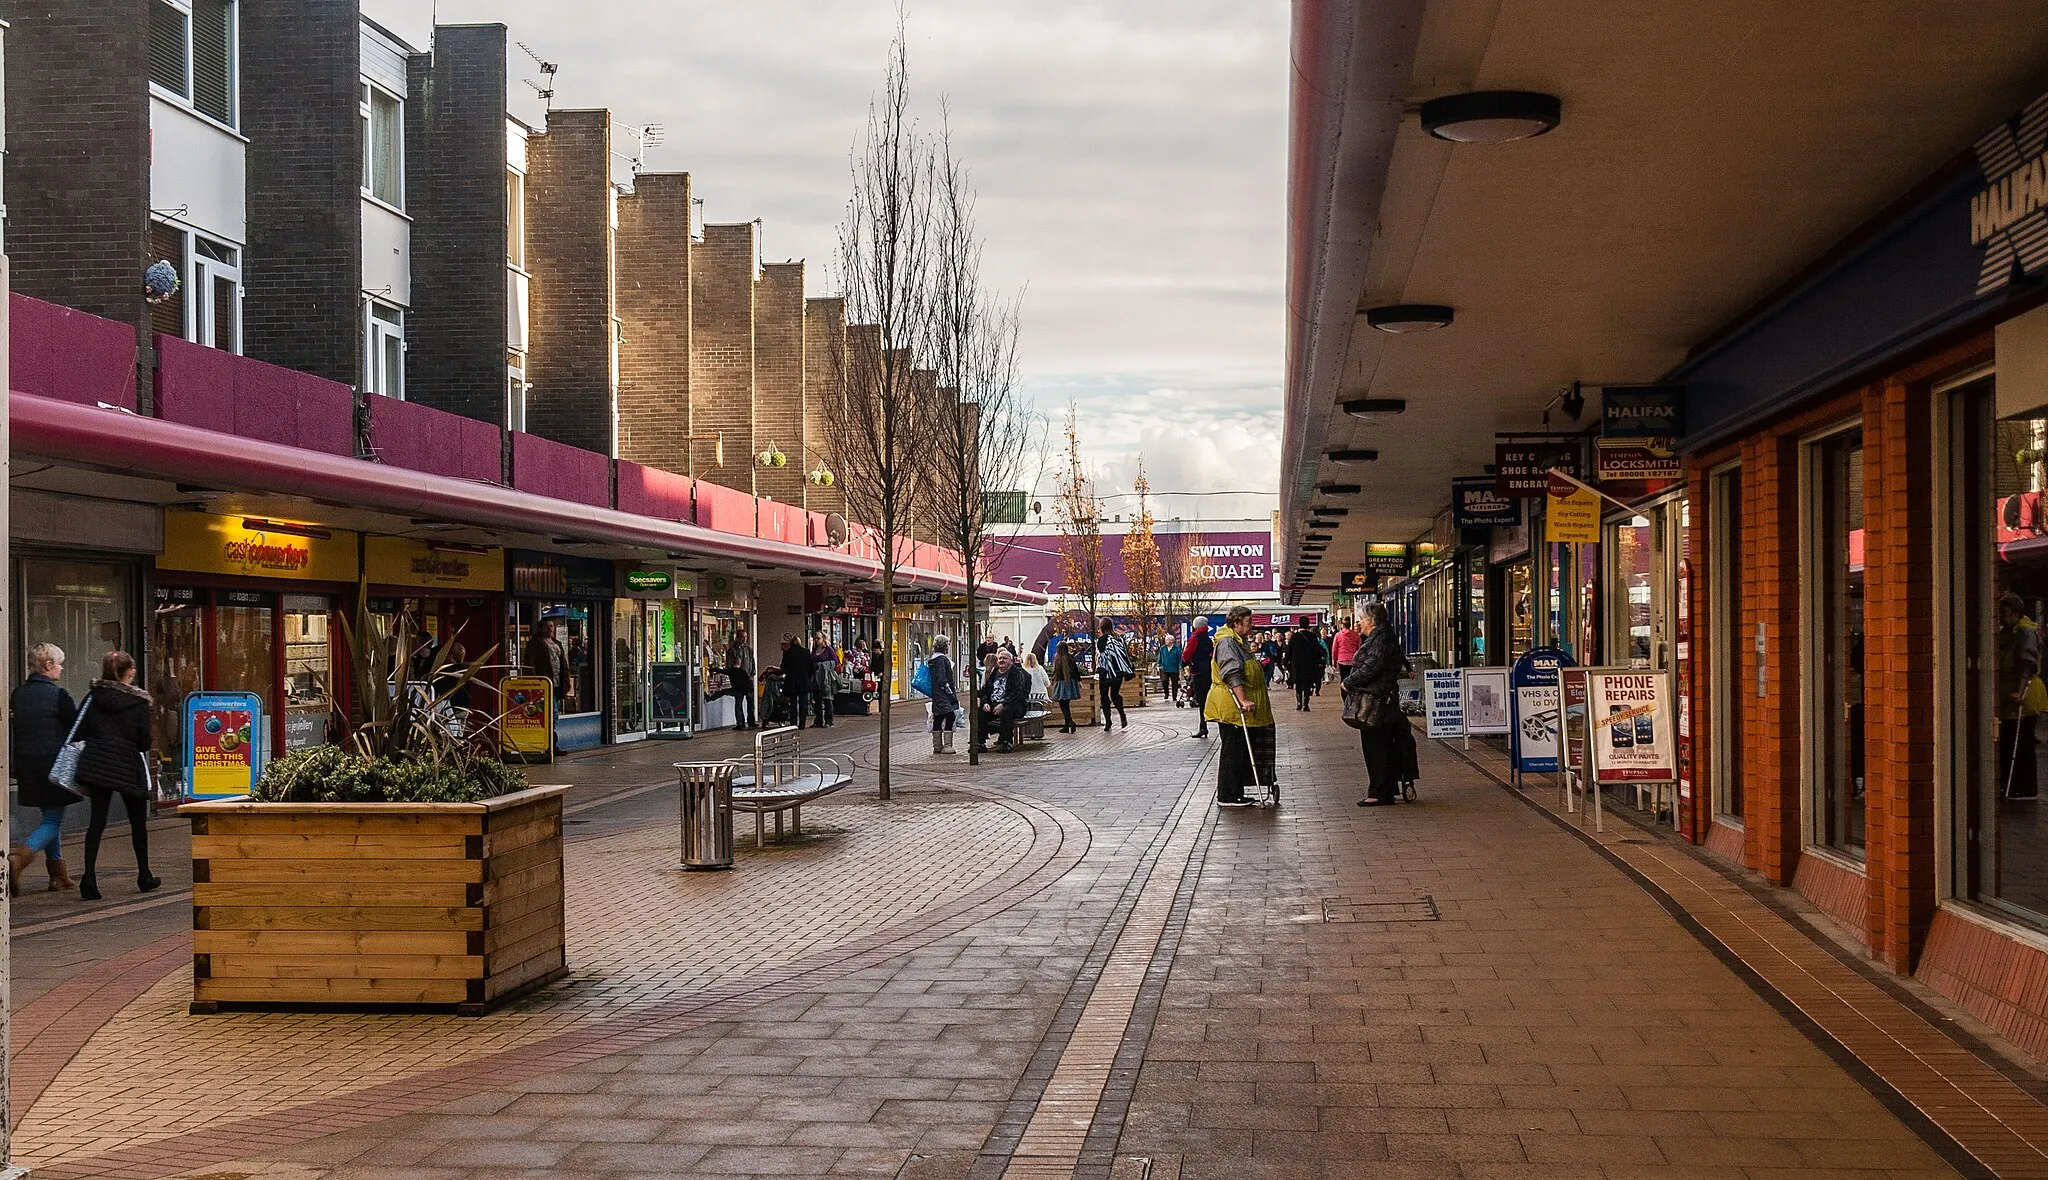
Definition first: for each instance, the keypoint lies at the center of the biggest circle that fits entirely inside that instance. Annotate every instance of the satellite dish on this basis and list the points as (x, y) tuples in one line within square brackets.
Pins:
[(835, 528)]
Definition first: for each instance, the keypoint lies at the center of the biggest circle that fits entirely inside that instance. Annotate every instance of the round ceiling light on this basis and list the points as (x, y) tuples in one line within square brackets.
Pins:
[(1409, 317), (1352, 455), (1339, 489), (1366, 407), (1491, 116)]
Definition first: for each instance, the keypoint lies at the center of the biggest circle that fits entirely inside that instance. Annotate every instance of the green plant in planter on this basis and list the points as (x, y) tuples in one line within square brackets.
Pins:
[(409, 746)]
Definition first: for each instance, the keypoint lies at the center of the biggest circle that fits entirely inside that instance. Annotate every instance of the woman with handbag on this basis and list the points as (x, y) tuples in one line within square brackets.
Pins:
[(41, 716), (941, 684), (1376, 679), (1112, 668), (1066, 685), (119, 746)]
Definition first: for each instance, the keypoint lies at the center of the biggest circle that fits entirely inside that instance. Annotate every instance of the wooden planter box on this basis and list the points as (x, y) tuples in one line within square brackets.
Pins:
[(456, 904)]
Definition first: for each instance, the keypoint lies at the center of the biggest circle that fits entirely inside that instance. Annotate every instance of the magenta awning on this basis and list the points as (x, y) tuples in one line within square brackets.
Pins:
[(122, 442)]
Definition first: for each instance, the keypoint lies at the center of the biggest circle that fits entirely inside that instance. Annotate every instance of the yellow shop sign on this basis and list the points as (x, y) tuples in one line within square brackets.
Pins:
[(400, 561), (254, 547)]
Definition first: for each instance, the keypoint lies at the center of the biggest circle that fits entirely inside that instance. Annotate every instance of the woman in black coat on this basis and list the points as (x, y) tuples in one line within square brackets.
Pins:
[(1304, 665), (119, 744), (1376, 672), (40, 716)]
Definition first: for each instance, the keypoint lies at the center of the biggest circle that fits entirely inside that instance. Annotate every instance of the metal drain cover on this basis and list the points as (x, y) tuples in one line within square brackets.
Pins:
[(1343, 909)]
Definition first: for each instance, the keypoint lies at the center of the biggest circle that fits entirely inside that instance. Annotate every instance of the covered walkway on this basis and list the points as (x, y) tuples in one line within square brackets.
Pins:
[(1066, 963)]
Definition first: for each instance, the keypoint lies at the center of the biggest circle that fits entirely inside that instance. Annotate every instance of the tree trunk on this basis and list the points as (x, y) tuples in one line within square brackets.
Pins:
[(887, 643), (974, 679)]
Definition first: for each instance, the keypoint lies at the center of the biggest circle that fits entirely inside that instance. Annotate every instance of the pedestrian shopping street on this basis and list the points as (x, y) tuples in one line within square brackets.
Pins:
[(1065, 962)]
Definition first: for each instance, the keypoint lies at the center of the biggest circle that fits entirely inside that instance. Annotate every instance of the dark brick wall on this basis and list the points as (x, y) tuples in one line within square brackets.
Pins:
[(654, 314), (568, 250), (303, 277), (456, 330), (78, 152)]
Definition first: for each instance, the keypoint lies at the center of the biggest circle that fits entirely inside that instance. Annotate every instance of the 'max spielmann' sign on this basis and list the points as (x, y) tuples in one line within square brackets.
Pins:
[(2009, 218)]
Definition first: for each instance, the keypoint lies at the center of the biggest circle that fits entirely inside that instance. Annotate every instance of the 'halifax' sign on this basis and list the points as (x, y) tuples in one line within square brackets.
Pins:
[(1642, 411)]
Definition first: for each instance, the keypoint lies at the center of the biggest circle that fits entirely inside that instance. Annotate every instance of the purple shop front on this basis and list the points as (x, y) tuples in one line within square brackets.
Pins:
[(1223, 563)]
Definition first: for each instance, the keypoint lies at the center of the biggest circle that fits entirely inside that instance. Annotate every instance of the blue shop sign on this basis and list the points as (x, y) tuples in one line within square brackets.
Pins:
[(1476, 503), (1537, 698)]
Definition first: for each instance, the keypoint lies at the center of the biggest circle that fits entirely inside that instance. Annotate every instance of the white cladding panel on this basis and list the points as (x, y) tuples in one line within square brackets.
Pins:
[(201, 167), (383, 61), (387, 254)]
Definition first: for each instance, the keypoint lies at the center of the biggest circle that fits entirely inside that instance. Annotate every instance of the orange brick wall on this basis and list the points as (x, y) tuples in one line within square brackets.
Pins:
[(722, 352), (654, 314), (824, 374)]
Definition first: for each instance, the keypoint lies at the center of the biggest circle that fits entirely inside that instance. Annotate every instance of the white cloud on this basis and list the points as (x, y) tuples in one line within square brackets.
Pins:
[(1131, 161)]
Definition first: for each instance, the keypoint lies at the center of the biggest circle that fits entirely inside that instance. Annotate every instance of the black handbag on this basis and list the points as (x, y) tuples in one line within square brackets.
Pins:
[(1371, 710), (1354, 710)]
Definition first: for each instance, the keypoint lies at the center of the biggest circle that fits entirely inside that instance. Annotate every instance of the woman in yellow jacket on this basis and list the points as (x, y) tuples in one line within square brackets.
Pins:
[(1238, 705)]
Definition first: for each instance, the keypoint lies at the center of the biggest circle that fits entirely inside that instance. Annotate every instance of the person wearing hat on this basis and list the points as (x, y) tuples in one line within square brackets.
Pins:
[(2021, 698)]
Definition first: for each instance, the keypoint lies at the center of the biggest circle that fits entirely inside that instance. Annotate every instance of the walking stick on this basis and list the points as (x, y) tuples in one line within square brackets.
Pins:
[(1251, 755), (2012, 766)]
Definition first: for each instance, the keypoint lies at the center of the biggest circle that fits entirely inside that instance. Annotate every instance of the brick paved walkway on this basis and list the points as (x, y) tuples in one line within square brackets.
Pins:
[(1061, 963)]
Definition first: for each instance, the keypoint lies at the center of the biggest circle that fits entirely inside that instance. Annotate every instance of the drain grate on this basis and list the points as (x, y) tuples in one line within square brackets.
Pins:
[(1343, 909)]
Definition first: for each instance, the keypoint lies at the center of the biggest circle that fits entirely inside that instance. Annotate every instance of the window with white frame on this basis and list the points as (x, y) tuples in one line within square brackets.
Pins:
[(214, 297), (384, 346), (515, 392), (193, 57), (383, 145)]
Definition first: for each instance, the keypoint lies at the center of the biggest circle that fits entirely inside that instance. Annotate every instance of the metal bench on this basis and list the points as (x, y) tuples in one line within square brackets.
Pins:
[(784, 780), (1031, 726)]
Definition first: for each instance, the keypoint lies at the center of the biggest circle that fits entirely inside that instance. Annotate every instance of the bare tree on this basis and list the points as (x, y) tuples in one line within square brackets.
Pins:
[(987, 438), (882, 440), (1143, 573), (1080, 516)]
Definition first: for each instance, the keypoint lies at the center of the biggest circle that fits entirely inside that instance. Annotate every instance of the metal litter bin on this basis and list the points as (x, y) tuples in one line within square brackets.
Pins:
[(706, 814)]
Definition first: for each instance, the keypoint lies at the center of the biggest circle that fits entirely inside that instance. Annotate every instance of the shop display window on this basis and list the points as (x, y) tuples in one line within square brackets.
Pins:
[(245, 646), (308, 670), (1521, 609), (1475, 622), (176, 667), (1997, 546), (1635, 567), (84, 607), (629, 666), (1835, 607)]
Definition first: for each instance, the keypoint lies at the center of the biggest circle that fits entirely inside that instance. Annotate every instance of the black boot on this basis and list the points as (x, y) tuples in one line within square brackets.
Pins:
[(88, 889), (147, 882)]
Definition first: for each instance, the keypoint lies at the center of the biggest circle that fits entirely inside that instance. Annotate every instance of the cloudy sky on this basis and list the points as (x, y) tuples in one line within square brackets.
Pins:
[(1130, 157)]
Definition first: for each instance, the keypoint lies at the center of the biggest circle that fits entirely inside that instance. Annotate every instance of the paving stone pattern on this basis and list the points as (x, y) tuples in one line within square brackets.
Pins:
[(1453, 988)]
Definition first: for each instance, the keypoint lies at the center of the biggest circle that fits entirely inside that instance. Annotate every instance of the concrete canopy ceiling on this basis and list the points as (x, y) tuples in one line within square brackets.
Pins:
[(1707, 154)]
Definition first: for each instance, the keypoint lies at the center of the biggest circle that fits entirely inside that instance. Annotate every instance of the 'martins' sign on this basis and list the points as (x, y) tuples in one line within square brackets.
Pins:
[(2010, 217)]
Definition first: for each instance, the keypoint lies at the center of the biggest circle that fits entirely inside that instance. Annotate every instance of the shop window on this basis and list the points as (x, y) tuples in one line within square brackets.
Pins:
[(308, 670), (176, 666), (245, 646), (1996, 544), (84, 607), (1635, 568), (1727, 675), (1475, 620), (1834, 581), (629, 666), (1521, 606)]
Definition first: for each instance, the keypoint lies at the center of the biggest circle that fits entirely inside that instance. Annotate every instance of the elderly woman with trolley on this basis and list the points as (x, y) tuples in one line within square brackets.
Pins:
[(1237, 703)]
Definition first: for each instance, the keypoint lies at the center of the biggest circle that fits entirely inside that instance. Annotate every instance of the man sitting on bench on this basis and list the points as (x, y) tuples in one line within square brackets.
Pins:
[(1005, 698)]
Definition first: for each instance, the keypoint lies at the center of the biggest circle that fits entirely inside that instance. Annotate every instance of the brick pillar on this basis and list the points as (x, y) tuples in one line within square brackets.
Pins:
[(779, 378), (722, 352), (77, 192), (1899, 669), (824, 394), (456, 331), (654, 319), (1770, 594), (302, 279), (569, 252)]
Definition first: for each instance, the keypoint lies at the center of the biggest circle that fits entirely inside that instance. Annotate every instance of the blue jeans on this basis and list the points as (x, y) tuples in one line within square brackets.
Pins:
[(49, 834)]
